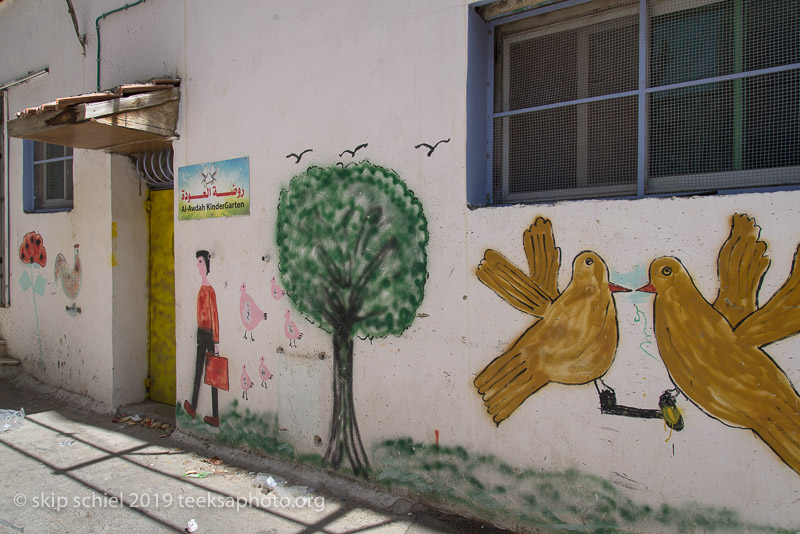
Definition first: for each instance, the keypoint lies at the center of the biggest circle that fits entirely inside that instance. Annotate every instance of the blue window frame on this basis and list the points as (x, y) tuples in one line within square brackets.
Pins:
[(46, 177), (633, 98)]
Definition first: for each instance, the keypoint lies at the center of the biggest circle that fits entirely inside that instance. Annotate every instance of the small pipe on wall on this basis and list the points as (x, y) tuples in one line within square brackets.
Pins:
[(81, 40), (97, 31)]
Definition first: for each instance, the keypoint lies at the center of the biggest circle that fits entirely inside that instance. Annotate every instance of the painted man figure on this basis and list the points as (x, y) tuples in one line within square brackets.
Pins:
[(207, 337)]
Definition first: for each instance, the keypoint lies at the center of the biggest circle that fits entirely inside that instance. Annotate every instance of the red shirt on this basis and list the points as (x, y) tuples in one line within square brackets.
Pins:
[(207, 318)]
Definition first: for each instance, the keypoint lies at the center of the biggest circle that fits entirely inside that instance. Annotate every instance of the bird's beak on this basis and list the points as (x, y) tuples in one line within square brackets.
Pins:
[(617, 289), (649, 288)]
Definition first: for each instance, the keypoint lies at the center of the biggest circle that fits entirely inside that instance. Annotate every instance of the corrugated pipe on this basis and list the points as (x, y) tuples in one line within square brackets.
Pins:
[(97, 31), (155, 168)]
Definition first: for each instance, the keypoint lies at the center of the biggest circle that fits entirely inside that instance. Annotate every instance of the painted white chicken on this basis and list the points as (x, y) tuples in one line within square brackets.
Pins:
[(70, 278)]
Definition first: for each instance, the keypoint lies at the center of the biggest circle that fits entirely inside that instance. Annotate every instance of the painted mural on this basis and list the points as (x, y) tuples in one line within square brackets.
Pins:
[(69, 277), (352, 242), (575, 336), (714, 352), (533, 498), (290, 329), (263, 372), (432, 147), (249, 312), (32, 250), (208, 362), (246, 382), (298, 157)]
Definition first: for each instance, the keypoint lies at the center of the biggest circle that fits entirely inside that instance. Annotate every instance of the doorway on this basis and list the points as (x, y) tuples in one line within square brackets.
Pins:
[(162, 297)]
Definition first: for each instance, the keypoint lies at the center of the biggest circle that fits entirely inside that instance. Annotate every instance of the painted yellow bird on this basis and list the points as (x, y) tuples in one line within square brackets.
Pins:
[(575, 339), (714, 352)]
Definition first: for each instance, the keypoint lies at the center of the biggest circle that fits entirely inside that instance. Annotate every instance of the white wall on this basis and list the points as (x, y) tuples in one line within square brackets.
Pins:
[(130, 282)]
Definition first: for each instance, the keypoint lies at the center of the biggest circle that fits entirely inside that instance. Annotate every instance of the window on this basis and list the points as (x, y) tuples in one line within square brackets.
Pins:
[(631, 98), (47, 177)]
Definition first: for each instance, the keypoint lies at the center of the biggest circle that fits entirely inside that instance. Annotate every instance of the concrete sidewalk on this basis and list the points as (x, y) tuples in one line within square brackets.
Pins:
[(68, 469)]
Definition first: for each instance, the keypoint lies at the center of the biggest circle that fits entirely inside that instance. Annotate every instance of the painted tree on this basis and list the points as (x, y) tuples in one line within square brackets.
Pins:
[(352, 245)]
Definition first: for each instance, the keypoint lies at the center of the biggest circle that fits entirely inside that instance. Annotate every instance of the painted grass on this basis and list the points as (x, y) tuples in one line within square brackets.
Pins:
[(243, 429), (558, 500), (489, 488)]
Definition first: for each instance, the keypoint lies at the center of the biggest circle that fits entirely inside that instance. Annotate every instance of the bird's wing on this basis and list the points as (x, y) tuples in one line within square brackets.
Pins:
[(506, 382), (779, 318), (513, 286), (780, 429), (544, 258), (741, 266)]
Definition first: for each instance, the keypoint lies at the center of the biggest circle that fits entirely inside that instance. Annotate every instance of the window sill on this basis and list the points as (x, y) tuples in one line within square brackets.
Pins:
[(48, 210)]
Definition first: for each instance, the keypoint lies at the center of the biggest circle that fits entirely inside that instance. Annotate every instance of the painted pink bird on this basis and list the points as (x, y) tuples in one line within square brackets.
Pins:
[(249, 311), (263, 372), (291, 330), (277, 292), (246, 382)]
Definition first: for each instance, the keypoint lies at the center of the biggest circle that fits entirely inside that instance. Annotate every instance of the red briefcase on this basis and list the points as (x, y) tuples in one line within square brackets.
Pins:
[(216, 371)]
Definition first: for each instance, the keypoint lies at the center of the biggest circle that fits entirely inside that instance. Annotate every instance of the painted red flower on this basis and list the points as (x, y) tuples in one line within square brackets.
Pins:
[(32, 249)]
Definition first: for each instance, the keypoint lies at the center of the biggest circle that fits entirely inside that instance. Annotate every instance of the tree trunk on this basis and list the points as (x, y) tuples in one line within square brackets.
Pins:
[(344, 436)]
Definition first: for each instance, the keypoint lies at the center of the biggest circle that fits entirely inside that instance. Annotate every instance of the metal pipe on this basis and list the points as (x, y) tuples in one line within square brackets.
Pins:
[(24, 79), (6, 270), (97, 31), (72, 14)]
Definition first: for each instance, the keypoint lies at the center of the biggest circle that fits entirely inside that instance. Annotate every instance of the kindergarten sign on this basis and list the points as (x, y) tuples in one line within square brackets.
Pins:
[(218, 189)]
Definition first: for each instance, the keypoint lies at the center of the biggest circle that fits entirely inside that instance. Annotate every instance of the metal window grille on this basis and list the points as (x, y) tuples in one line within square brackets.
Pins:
[(639, 97), (52, 175)]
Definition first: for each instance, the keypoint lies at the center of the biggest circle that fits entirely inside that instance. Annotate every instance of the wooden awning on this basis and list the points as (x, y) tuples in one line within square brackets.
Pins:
[(132, 119)]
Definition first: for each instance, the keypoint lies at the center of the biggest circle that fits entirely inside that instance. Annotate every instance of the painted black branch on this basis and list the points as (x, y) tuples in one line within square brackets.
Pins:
[(609, 406), (373, 265), (330, 266)]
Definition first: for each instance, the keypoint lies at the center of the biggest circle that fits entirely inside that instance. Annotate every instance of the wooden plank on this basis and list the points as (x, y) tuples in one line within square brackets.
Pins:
[(143, 147), (92, 135), (95, 135), (141, 88), (62, 103), (24, 126), (160, 120), (139, 101), (126, 125), (175, 82)]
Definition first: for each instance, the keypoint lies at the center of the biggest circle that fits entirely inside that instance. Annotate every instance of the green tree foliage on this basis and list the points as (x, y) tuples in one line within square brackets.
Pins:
[(352, 244), (352, 249)]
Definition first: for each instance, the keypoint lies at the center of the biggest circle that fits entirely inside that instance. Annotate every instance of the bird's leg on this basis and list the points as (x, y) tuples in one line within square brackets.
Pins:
[(605, 386), (608, 397), (251, 336), (245, 333)]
